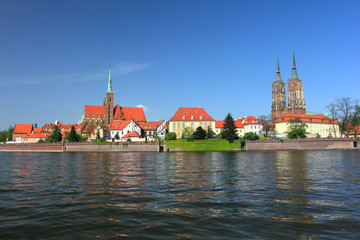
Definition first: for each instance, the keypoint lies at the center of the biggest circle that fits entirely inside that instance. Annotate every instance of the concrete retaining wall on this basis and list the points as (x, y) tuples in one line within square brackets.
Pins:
[(300, 144)]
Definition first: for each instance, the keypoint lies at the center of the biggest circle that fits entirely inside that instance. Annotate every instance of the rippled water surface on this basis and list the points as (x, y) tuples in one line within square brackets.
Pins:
[(216, 195)]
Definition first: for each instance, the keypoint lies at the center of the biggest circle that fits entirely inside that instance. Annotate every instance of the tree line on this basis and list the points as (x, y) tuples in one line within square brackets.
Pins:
[(347, 111), (228, 132)]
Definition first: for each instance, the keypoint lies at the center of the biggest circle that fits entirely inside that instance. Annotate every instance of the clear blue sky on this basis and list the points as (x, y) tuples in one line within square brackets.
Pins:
[(221, 55)]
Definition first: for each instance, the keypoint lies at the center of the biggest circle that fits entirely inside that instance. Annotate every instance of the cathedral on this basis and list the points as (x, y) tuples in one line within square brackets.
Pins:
[(107, 113), (296, 100)]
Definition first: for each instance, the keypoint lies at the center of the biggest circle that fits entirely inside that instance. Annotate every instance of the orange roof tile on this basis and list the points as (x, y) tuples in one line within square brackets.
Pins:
[(127, 113), (119, 124), (37, 130), (131, 134), (36, 135), (191, 114), (22, 128), (220, 124), (91, 109), (150, 126), (250, 120), (317, 118)]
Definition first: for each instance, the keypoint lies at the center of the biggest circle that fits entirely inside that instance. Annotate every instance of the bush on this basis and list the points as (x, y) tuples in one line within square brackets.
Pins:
[(170, 136), (200, 133), (251, 136), (297, 133)]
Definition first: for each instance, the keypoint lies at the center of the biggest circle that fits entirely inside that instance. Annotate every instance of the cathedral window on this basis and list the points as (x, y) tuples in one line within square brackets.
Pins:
[(178, 125), (174, 125), (192, 125), (183, 125), (205, 125)]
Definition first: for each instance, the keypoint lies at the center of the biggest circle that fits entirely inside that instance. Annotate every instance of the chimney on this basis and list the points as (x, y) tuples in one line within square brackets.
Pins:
[(36, 125)]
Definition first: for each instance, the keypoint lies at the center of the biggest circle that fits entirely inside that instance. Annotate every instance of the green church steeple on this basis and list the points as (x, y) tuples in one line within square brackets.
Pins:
[(109, 83), (294, 73), (278, 76)]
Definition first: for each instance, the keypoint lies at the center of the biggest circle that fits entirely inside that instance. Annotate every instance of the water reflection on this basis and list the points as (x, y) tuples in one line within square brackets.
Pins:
[(277, 194)]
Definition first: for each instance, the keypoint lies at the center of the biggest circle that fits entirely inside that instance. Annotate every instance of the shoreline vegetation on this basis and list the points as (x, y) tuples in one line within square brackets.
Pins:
[(204, 145)]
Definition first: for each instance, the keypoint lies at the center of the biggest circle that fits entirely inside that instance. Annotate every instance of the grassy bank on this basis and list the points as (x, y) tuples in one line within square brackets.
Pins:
[(204, 145)]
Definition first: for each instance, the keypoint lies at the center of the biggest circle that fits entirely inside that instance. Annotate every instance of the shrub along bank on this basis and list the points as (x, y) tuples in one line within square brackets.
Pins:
[(203, 145)]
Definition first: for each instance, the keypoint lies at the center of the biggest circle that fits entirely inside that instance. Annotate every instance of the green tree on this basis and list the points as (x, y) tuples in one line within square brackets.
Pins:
[(55, 136), (6, 135), (200, 133), (72, 136), (188, 134), (170, 136), (228, 132), (267, 124), (210, 133), (297, 129), (251, 136), (117, 137)]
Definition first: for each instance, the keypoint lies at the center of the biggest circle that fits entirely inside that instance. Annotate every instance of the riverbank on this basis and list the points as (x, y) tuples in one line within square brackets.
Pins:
[(181, 145), (259, 145), (81, 147)]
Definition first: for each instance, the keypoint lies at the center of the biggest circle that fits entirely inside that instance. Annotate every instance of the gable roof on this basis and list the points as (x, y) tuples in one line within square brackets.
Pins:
[(128, 113), (22, 128), (191, 114), (37, 130), (317, 118), (131, 134), (119, 124), (150, 126), (220, 124), (91, 109), (36, 135)]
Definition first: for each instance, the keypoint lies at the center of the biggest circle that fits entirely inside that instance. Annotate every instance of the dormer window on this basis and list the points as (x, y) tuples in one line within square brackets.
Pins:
[(118, 123), (192, 117), (183, 117), (200, 117)]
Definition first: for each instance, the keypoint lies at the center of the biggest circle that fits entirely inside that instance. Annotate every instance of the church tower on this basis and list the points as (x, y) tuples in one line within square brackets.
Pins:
[(278, 94), (109, 102), (296, 100)]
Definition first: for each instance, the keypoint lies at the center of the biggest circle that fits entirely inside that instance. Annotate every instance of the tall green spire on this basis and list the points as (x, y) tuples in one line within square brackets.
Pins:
[(294, 73), (109, 83), (278, 76)]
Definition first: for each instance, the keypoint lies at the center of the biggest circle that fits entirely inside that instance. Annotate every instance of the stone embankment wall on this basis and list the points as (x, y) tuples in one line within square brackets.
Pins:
[(32, 147), (300, 144), (80, 147), (121, 147)]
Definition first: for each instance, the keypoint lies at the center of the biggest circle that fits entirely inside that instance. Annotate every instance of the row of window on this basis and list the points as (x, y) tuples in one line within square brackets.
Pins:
[(205, 125)]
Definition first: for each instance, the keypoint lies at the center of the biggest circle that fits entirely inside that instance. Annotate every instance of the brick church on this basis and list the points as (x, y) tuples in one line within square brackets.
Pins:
[(296, 100), (107, 113)]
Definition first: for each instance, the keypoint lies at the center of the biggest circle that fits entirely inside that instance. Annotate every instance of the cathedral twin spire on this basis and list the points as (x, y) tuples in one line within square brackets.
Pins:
[(294, 72)]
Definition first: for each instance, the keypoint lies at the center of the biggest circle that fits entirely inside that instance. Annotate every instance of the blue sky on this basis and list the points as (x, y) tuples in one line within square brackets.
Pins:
[(221, 55)]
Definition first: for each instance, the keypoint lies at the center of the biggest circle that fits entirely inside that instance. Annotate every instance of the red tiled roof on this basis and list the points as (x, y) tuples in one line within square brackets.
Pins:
[(131, 134), (36, 135), (250, 120), (22, 128), (119, 124), (191, 114), (127, 113), (317, 118), (220, 124), (150, 126), (91, 109), (37, 130)]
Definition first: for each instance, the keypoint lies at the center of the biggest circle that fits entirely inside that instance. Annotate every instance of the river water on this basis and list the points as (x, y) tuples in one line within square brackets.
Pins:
[(214, 195)]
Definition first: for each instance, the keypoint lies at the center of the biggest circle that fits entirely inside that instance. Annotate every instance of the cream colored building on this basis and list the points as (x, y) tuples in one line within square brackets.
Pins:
[(192, 118), (315, 124)]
